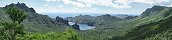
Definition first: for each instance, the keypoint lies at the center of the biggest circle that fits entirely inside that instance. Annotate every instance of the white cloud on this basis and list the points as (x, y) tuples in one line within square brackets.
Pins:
[(70, 2), (60, 6), (122, 1), (45, 5), (78, 4), (52, 0), (151, 1), (110, 3), (89, 3)]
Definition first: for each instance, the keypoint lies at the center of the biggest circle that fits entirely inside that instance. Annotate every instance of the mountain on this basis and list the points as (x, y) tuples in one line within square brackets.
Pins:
[(59, 19), (154, 23), (82, 19), (94, 20), (155, 10), (104, 19), (157, 27), (105, 26), (76, 26), (22, 6), (125, 16), (35, 22)]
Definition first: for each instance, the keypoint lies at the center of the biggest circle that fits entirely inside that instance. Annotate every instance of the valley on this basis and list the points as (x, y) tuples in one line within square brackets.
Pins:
[(21, 22)]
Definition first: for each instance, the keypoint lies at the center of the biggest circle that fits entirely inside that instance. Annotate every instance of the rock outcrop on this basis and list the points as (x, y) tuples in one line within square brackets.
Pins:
[(21, 6), (59, 19), (76, 26)]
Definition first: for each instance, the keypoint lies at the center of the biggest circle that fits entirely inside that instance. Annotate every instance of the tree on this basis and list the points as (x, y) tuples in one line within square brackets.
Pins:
[(10, 30), (16, 14), (69, 34)]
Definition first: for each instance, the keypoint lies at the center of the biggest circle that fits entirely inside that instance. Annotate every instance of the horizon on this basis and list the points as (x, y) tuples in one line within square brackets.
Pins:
[(131, 7), (64, 15)]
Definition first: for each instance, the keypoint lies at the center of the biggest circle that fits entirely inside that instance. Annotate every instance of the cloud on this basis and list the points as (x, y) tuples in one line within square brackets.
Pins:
[(151, 1), (45, 5), (170, 5), (89, 3), (122, 1), (110, 3), (60, 6), (70, 2), (52, 0), (118, 4)]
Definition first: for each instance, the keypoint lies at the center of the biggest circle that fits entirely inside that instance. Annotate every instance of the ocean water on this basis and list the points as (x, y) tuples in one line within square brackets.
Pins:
[(83, 26)]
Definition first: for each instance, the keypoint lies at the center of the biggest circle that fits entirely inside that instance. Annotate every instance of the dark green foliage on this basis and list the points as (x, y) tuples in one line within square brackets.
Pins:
[(69, 34), (154, 24), (10, 30), (145, 26), (168, 13), (16, 14), (19, 22), (148, 30), (34, 22)]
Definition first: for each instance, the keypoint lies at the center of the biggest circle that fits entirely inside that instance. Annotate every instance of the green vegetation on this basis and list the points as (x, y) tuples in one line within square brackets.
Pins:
[(18, 22), (69, 34), (156, 30), (143, 27), (10, 30), (14, 30)]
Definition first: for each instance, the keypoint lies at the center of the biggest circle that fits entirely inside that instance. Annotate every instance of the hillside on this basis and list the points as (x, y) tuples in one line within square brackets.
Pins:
[(125, 16), (157, 23), (94, 20), (132, 29), (20, 22), (82, 19), (35, 22), (159, 30)]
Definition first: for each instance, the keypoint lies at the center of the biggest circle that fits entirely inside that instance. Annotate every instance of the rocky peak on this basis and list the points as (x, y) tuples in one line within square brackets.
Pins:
[(59, 19), (75, 26), (21, 6)]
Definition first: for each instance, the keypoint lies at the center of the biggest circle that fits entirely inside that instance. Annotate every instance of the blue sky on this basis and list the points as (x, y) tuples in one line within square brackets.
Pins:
[(90, 6)]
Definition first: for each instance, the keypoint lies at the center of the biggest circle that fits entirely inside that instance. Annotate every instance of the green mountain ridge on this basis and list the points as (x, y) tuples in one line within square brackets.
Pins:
[(128, 27), (95, 20), (153, 24), (35, 22), (159, 22)]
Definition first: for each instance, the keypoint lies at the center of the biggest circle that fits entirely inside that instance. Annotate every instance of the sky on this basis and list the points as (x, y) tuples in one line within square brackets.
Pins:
[(90, 6)]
